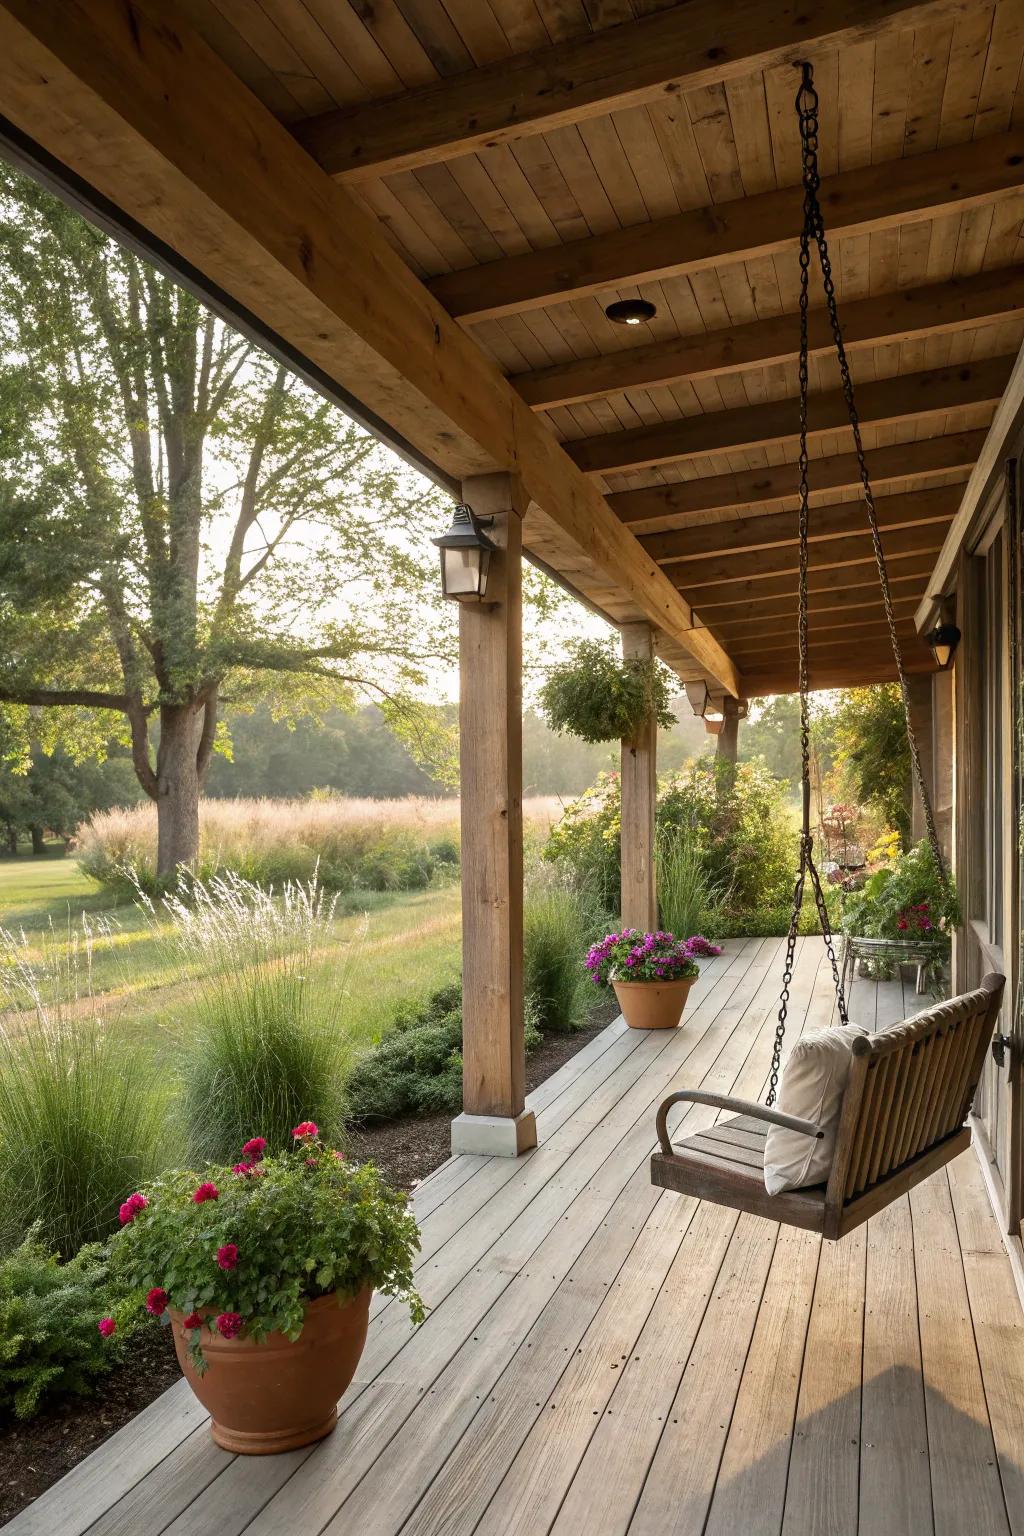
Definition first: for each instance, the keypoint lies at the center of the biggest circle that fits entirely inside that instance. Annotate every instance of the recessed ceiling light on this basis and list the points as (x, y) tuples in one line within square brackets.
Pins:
[(631, 311)]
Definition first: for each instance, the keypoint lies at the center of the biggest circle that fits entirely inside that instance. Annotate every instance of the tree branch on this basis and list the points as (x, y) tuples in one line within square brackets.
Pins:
[(87, 698)]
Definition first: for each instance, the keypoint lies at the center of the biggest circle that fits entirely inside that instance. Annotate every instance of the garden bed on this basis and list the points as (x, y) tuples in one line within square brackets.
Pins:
[(35, 1455)]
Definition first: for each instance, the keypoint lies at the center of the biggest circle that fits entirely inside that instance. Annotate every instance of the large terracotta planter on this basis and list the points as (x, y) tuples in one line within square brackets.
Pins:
[(653, 1004), (279, 1394)]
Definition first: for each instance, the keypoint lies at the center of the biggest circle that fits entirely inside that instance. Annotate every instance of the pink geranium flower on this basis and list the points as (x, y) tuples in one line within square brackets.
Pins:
[(156, 1301), (229, 1325), (243, 1169), (305, 1130), (227, 1256), (206, 1191), (254, 1148), (107, 1326), (192, 1321)]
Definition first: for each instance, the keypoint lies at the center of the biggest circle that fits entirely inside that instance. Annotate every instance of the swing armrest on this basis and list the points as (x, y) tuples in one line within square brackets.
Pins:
[(739, 1106)]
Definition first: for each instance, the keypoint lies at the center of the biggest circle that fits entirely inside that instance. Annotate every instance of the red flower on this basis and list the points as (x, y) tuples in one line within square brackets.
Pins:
[(305, 1130), (192, 1321), (131, 1208), (254, 1148), (244, 1169), (229, 1325), (106, 1326), (310, 1162), (156, 1301), (902, 923), (227, 1256), (206, 1191), (339, 1157)]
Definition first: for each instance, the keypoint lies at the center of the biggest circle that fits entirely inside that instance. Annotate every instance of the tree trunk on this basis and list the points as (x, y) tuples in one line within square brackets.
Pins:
[(177, 801), (11, 833), (38, 840)]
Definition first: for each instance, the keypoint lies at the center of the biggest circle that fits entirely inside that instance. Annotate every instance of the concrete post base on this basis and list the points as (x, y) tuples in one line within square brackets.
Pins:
[(494, 1135)]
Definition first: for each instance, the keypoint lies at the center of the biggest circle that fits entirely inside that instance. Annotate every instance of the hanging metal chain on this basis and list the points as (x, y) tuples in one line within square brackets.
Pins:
[(807, 109)]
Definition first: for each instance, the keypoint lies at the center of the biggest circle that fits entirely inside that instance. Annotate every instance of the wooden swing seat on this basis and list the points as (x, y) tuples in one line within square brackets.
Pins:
[(903, 1116)]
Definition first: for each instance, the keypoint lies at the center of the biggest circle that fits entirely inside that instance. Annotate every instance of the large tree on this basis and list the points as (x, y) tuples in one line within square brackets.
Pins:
[(183, 523)]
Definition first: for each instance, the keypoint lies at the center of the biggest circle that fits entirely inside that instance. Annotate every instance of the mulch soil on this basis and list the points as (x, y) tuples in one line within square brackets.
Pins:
[(37, 1454)]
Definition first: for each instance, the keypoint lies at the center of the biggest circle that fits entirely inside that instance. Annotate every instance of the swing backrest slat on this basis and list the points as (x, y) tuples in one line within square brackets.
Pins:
[(910, 1089)]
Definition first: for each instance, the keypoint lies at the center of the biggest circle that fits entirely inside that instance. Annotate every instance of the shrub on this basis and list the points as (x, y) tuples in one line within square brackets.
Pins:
[(872, 751), (736, 817), (416, 1067), (559, 922), (80, 1118), (244, 1249), (264, 1041), (49, 1341), (598, 697)]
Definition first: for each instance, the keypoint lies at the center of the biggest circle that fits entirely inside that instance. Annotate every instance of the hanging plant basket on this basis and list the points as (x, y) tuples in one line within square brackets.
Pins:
[(598, 697)]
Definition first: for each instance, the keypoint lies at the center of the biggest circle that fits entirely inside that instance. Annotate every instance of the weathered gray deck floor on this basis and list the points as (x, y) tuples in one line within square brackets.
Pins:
[(603, 1358)]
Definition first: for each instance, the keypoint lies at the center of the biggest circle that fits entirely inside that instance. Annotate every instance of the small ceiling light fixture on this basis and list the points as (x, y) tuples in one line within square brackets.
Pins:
[(465, 555), (631, 312)]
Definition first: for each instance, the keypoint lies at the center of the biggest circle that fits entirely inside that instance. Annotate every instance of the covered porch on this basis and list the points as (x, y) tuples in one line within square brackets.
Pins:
[(600, 1356)]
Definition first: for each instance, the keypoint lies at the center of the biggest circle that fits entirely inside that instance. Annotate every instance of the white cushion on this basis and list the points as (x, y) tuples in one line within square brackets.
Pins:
[(811, 1087)]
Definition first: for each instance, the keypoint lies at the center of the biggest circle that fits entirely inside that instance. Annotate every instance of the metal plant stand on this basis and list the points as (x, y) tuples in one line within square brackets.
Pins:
[(924, 953)]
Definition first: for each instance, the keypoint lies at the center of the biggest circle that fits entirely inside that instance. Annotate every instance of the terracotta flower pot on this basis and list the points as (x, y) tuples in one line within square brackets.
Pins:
[(278, 1394), (653, 1004)]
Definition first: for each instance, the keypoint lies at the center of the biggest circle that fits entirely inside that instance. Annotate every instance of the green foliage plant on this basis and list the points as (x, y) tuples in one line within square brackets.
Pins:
[(263, 1040), (689, 900), (905, 899), (560, 919), (869, 734), (81, 1117), (243, 1249), (595, 695), (49, 1340)]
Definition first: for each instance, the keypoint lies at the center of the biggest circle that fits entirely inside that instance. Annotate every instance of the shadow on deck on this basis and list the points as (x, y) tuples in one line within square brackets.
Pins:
[(602, 1357)]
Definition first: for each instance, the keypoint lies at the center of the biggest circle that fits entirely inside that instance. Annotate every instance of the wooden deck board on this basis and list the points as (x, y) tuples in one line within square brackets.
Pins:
[(604, 1356)]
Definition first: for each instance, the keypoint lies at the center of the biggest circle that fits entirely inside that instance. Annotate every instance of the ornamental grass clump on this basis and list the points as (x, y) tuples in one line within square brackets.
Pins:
[(263, 1039), (81, 1116), (242, 1250), (635, 956)]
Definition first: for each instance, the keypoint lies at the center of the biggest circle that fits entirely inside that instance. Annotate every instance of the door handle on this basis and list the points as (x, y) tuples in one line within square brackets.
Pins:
[(1000, 1045)]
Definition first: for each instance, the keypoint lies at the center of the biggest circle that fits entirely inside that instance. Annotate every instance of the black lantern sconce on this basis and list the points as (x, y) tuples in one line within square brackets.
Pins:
[(944, 638), (465, 556)]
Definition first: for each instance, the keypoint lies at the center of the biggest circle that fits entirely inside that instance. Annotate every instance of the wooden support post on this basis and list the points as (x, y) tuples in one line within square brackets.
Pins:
[(920, 691), (728, 736), (639, 800), (494, 1119)]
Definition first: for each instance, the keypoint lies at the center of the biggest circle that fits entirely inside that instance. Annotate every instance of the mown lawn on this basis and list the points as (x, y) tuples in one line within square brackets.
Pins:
[(398, 947)]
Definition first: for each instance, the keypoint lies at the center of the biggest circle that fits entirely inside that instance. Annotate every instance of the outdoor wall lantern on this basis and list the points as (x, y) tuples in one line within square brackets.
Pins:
[(943, 639), (631, 311), (465, 555)]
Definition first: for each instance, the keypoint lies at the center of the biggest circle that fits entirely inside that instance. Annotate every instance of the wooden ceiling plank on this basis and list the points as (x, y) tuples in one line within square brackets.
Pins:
[(697, 576), (872, 198), (906, 572), (130, 99), (894, 399), (961, 304), (827, 524), (830, 673), (660, 507), (700, 45)]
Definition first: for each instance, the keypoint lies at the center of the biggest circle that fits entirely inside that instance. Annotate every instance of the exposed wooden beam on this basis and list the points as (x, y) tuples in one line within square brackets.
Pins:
[(726, 539), (874, 197), (658, 507), (905, 571), (700, 44), (125, 95), (778, 616), (834, 672), (855, 638), (751, 426), (909, 313), (697, 576)]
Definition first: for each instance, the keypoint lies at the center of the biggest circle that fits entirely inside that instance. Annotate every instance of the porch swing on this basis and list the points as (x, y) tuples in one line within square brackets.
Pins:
[(903, 1110)]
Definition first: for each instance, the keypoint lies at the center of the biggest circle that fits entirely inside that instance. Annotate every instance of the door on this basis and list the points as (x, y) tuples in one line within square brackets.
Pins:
[(988, 819)]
